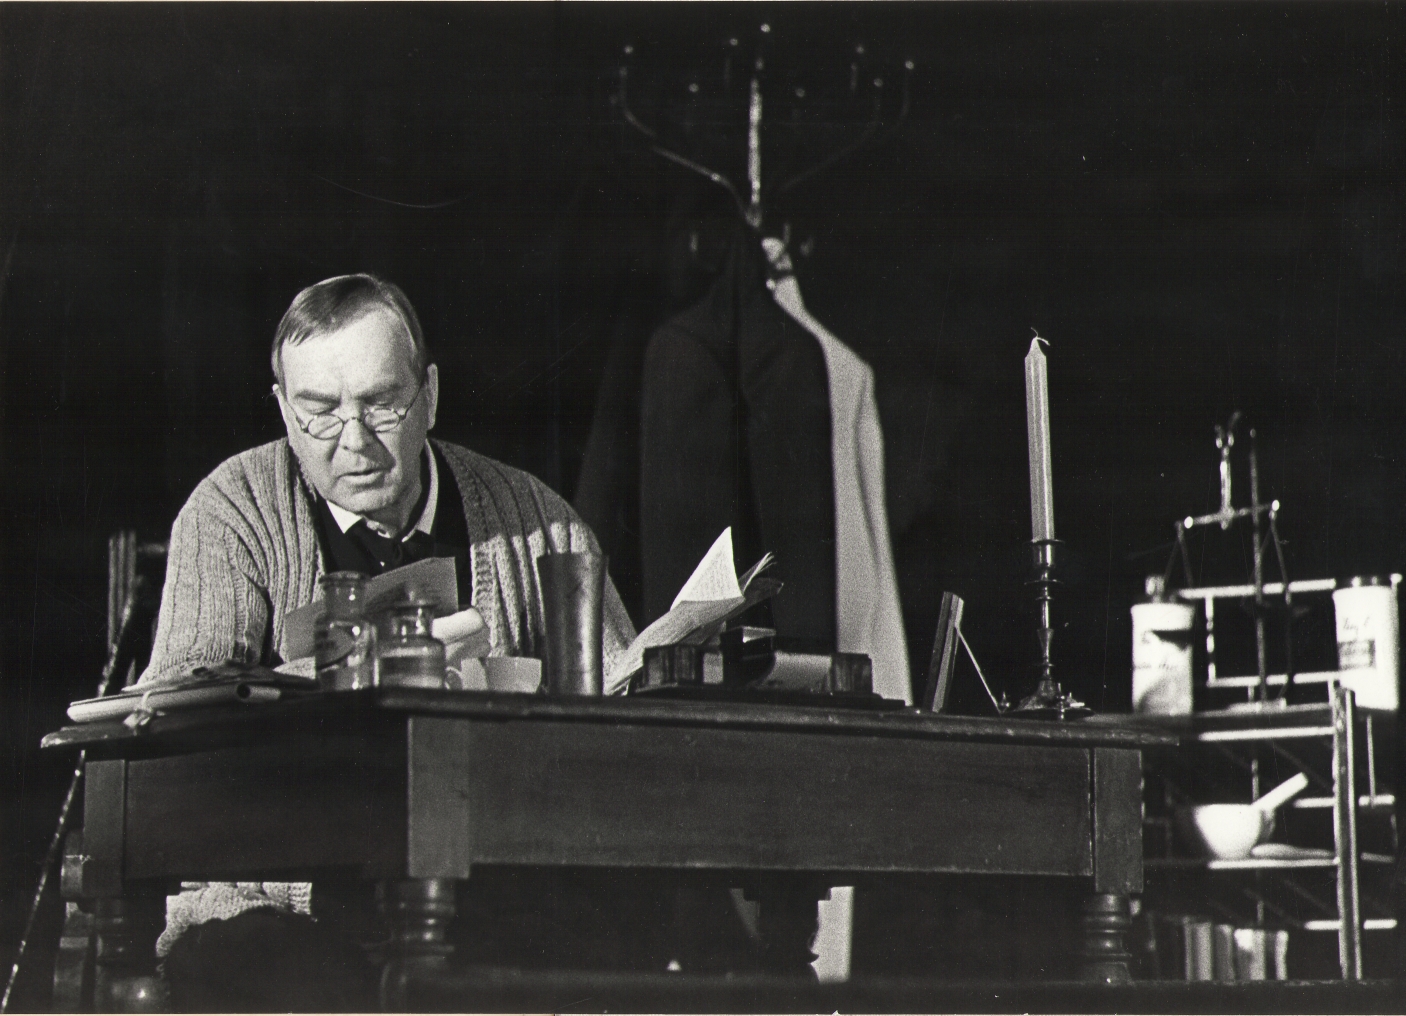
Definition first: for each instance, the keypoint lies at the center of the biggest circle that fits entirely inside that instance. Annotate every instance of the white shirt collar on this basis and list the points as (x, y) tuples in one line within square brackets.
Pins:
[(345, 519)]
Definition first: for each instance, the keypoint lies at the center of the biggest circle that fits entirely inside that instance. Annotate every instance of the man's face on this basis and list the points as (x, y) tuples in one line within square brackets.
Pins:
[(366, 364)]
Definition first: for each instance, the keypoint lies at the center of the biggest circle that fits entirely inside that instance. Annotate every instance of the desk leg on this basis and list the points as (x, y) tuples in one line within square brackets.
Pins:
[(124, 973), (788, 919), (1117, 847), (1106, 921), (419, 912)]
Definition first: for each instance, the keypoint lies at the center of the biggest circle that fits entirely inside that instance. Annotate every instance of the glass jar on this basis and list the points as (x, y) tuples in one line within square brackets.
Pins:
[(410, 656), (345, 640)]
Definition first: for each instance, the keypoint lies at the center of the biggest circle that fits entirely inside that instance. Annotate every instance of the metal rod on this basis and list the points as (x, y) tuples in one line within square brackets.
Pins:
[(1222, 518), (1210, 640), (753, 213), (1345, 832), (1371, 760), (1288, 597), (1261, 656)]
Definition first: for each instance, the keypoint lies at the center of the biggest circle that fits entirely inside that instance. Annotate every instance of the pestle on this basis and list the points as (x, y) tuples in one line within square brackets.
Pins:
[(1271, 802)]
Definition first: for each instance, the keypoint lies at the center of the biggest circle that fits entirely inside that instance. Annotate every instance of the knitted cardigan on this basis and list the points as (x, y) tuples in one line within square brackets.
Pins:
[(244, 552)]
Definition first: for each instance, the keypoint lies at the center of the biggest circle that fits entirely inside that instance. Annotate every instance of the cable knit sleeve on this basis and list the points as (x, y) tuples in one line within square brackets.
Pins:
[(214, 606), (514, 518), (243, 552)]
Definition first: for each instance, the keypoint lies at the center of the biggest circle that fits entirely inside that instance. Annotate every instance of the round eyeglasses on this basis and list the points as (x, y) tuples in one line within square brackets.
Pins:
[(377, 419)]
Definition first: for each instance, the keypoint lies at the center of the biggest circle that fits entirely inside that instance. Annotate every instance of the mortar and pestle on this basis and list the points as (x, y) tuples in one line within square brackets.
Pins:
[(1228, 832)]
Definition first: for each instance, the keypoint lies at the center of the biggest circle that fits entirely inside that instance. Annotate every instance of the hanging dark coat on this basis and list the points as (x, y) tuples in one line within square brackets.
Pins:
[(735, 430)]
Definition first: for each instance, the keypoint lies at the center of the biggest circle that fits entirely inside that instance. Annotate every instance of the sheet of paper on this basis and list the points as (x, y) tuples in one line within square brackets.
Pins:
[(715, 578), (434, 579), (692, 621)]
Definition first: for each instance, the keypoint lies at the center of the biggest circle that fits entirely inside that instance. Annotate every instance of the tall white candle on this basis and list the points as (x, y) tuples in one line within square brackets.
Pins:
[(1037, 420)]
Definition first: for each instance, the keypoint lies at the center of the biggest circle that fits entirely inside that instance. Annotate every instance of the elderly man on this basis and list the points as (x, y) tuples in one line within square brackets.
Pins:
[(356, 486)]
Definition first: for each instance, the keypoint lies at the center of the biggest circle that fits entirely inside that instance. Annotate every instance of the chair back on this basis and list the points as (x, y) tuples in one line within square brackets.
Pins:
[(135, 574)]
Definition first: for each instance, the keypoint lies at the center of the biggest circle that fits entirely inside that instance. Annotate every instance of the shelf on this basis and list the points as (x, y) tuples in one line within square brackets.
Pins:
[(1253, 680), (1246, 864), (1256, 863), (1381, 801), (1263, 734), (1371, 924), (1247, 591)]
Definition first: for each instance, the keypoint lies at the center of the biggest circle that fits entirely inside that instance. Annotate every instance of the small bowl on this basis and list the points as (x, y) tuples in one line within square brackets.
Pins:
[(513, 673), (1226, 832)]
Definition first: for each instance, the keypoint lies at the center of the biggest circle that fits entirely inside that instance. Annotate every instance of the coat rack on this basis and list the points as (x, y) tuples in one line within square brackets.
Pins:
[(751, 209)]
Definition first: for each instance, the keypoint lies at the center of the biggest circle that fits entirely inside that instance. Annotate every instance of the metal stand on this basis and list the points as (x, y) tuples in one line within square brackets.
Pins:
[(1048, 701), (1258, 513)]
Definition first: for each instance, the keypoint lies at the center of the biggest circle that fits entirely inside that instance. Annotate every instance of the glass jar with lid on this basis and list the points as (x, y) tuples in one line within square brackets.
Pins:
[(409, 654), (345, 638)]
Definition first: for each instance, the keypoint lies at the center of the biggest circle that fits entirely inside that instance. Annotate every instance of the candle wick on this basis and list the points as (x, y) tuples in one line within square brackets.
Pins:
[(1040, 338)]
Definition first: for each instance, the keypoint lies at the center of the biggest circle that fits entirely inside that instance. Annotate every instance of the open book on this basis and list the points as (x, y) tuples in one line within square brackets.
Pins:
[(711, 597)]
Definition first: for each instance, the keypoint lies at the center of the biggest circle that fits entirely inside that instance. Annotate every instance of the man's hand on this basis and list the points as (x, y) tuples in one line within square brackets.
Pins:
[(463, 634), (466, 639)]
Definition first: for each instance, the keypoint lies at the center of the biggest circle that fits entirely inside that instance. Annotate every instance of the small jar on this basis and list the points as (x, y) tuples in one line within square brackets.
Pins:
[(345, 640), (410, 656)]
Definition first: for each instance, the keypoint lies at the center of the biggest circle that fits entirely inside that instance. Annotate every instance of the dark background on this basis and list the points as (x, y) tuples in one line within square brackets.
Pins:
[(1198, 204)]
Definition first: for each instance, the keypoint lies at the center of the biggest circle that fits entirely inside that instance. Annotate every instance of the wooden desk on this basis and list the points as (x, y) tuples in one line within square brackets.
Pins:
[(417, 787)]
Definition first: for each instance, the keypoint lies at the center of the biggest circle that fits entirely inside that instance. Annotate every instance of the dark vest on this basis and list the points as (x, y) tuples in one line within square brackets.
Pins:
[(360, 549)]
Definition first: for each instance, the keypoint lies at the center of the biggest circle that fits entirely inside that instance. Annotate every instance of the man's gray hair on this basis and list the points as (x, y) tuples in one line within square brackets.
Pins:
[(337, 302)]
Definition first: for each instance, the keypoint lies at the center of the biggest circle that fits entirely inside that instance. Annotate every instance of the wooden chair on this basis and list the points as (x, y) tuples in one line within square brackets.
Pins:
[(135, 575)]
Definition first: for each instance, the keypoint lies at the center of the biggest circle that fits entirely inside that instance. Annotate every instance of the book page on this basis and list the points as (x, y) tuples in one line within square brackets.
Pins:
[(715, 578), (767, 560)]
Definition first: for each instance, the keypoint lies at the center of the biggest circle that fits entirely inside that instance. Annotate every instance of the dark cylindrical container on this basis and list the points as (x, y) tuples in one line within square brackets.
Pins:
[(572, 589), (851, 672), (670, 666)]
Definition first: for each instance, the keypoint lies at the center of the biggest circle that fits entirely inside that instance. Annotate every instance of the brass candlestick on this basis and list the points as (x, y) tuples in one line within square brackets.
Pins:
[(1049, 700)]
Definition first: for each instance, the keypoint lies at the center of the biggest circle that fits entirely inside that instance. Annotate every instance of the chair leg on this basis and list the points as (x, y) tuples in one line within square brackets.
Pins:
[(73, 965), (124, 975)]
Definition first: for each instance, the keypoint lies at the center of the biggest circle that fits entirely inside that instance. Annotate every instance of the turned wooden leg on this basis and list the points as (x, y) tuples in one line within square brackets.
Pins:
[(788, 920), (419, 912), (1117, 842), (73, 964), (124, 973), (1107, 918)]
